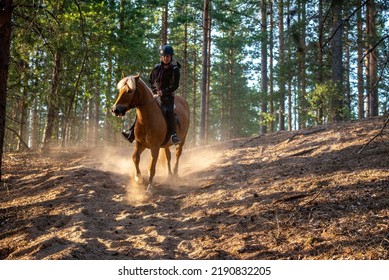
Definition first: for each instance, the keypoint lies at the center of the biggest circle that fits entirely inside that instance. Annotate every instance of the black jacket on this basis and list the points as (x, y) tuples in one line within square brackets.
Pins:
[(166, 80)]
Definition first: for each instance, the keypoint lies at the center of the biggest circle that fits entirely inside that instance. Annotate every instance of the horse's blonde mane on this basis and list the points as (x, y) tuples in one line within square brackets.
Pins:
[(130, 80), (146, 86)]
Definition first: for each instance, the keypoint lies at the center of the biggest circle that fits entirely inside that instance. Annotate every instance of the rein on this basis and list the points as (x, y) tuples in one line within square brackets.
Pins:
[(148, 102)]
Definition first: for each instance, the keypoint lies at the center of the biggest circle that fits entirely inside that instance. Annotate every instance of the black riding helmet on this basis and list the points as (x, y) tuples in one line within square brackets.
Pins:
[(166, 50)]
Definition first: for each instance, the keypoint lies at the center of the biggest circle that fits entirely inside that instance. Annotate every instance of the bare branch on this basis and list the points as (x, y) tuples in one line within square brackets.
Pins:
[(375, 136), (372, 49), (343, 21)]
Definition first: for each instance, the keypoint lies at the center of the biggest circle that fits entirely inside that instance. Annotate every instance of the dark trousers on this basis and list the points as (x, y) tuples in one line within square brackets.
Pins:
[(168, 103)]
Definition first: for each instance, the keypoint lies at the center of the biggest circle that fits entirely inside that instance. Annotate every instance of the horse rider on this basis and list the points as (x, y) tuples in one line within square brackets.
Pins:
[(164, 81)]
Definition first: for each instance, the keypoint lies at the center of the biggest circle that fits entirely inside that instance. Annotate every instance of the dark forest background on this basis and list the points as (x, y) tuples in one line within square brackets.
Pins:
[(248, 67)]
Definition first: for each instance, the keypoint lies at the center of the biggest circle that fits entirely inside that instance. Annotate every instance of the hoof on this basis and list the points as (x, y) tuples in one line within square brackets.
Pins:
[(138, 179), (149, 189)]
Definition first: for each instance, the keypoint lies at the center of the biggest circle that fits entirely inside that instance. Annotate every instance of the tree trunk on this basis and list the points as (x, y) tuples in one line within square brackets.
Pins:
[(165, 23), (185, 70), (23, 124), (337, 55), (194, 89), (5, 40), (372, 58), (208, 93), (91, 126), (289, 76), (52, 102), (302, 68), (231, 125), (320, 71), (347, 73), (204, 73), (271, 82), (361, 99), (281, 83), (264, 80), (108, 98), (96, 116)]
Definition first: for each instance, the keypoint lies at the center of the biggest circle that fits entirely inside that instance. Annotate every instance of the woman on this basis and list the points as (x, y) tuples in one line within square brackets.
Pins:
[(164, 81)]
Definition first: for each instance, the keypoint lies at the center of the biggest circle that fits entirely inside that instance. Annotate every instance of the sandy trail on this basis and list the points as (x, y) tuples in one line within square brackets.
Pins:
[(288, 195)]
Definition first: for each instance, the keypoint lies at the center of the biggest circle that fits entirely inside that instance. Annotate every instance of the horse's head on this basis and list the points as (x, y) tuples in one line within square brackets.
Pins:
[(125, 99)]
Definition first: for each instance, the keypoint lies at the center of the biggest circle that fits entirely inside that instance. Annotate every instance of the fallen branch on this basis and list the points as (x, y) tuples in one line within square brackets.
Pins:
[(312, 199), (305, 133), (375, 136), (303, 152), (251, 140), (19, 137)]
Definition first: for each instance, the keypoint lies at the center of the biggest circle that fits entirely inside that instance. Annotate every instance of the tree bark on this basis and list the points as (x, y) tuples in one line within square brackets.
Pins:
[(289, 75), (264, 79), (337, 55), (52, 102), (320, 71), (302, 68), (5, 40), (204, 73), (372, 58), (271, 80), (165, 23), (281, 83), (361, 99)]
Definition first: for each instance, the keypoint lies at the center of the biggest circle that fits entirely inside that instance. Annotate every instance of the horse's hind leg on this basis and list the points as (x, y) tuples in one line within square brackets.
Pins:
[(178, 155), (136, 158), (168, 156), (153, 163)]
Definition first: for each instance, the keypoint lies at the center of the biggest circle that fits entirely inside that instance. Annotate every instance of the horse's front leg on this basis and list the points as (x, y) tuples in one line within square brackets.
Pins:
[(136, 158), (153, 163)]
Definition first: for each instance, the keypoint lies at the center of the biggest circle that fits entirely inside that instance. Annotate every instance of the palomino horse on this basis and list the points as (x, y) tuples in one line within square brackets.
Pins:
[(151, 127)]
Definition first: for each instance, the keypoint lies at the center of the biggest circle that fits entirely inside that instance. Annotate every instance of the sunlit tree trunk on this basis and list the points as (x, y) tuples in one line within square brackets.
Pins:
[(264, 79), (337, 60), (289, 75)]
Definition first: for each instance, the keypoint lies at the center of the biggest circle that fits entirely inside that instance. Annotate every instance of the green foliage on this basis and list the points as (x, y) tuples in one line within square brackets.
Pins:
[(323, 98), (101, 41)]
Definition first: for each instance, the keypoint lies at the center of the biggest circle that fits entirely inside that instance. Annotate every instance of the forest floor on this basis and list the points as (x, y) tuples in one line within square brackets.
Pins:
[(304, 194)]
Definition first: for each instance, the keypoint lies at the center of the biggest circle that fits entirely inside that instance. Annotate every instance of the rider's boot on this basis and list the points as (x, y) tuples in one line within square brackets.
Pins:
[(171, 119), (129, 135)]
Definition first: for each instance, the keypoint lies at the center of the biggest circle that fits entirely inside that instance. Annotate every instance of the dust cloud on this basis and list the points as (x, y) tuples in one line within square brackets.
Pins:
[(193, 166)]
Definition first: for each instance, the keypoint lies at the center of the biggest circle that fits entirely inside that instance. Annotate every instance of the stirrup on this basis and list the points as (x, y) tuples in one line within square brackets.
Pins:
[(175, 139), (128, 135)]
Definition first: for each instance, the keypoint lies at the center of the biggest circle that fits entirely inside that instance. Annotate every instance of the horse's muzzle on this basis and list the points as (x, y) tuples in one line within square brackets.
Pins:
[(119, 110)]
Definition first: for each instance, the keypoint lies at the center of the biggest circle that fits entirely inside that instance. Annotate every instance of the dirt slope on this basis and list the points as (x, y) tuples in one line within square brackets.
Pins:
[(289, 195)]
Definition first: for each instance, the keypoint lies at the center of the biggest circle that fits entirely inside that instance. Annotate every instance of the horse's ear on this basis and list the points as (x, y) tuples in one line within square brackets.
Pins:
[(137, 77)]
